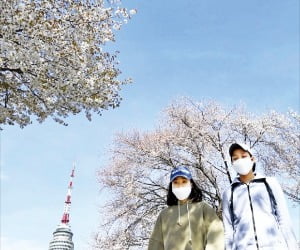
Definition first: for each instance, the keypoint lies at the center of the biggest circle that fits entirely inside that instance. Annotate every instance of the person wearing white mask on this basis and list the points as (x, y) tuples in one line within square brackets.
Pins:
[(255, 213), (188, 223)]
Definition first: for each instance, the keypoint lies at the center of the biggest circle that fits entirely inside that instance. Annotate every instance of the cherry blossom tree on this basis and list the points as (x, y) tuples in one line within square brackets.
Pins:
[(195, 134), (52, 61)]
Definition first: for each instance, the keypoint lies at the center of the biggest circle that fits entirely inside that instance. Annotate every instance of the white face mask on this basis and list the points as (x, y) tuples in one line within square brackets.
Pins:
[(182, 193), (243, 165)]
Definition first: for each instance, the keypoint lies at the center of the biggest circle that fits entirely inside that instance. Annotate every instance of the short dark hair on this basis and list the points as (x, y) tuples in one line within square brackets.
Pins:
[(195, 196)]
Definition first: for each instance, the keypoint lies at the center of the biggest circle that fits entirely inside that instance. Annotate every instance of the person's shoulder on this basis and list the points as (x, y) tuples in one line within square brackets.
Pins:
[(226, 193), (271, 179), (203, 205), (198, 204), (273, 182), (167, 210), (206, 205), (207, 211)]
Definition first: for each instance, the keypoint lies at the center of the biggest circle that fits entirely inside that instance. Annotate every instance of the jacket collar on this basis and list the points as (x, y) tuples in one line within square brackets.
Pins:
[(257, 176)]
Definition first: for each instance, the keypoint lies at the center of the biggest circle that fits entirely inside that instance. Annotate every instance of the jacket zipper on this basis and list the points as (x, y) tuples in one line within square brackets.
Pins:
[(254, 227)]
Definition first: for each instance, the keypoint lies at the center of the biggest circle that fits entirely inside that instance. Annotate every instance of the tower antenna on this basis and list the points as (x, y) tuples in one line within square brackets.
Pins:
[(66, 215)]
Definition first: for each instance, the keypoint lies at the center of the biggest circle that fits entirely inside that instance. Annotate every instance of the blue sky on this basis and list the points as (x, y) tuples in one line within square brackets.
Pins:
[(229, 51)]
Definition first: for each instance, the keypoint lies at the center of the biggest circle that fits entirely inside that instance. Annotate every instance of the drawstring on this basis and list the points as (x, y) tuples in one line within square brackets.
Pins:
[(187, 207), (178, 205), (179, 219)]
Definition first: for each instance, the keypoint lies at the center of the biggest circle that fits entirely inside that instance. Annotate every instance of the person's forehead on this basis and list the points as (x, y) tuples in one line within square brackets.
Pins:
[(180, 178)]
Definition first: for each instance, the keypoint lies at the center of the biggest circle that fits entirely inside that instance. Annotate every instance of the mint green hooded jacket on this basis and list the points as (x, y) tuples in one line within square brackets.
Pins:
[(190, 226)]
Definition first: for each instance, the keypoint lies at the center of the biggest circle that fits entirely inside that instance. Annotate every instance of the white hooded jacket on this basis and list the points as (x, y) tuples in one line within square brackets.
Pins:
[(255, 224)]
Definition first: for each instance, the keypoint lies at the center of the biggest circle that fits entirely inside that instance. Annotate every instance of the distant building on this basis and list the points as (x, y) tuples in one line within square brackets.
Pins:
[(62, 236)]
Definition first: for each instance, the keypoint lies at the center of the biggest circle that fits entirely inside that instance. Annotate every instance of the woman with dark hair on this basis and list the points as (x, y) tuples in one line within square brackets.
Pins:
[(188, 223)]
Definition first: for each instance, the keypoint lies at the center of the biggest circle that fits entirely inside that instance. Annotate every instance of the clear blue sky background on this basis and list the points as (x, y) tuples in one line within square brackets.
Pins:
[(230, 51)]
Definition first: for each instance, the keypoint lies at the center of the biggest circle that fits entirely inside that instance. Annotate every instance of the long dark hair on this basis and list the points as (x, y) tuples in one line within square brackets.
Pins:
[(195, 196)]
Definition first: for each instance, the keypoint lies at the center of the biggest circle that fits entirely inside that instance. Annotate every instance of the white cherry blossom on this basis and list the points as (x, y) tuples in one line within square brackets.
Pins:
[(197, 135), (53, 61)]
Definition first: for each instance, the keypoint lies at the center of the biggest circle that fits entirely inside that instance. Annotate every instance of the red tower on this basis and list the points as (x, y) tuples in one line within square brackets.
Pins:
[(66, 215), (62, 236)]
